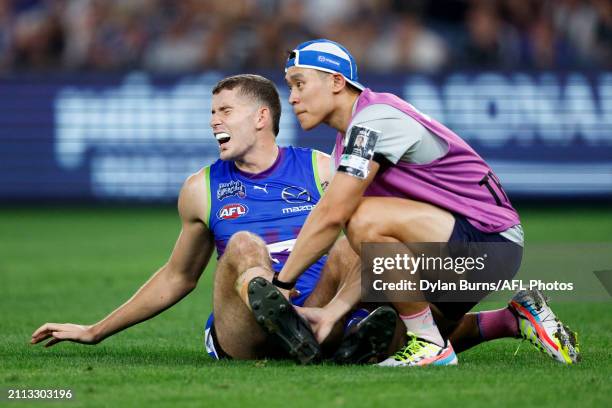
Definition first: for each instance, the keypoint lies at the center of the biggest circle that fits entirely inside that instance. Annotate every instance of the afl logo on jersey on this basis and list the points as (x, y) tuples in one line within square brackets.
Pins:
[(232, 211)]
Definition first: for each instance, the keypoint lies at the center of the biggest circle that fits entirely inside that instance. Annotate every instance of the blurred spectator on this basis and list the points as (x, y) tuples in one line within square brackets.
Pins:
[(546, 49), (575, 22), (177, 49), (491, 42), (37, 39), (603, 33), (420, 49), (6, 41), (414, 35)]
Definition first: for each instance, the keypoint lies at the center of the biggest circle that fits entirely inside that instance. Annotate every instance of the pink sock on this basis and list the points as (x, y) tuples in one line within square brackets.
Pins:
[(423, 325), (496, 324)]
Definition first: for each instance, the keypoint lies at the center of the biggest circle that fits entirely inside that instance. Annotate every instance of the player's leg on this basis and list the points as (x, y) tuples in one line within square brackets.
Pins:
[(337, 292), (235, 329), (342, 269), (359, 335), (337, 288), (340, 275)]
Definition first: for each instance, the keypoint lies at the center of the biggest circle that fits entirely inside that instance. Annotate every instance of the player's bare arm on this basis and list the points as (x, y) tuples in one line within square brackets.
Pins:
[(172, 282), (324, 163)]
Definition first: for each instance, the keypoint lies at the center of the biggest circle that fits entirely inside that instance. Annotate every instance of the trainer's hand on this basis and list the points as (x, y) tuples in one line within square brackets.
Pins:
[(61, 332), (320, 320)]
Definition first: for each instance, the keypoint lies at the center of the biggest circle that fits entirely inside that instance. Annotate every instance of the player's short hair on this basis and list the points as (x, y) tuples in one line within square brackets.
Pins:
[(258, 88)]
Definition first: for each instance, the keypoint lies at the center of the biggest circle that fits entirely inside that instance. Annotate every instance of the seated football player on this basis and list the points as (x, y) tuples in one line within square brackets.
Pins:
[(250, 206)]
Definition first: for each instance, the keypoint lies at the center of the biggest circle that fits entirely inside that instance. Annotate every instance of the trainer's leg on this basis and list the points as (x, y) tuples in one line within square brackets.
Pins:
[(476, 328), (388, 219), (399, 220), (245, 257)]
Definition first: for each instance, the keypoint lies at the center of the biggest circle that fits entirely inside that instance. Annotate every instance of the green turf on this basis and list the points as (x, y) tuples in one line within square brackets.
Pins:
[(76, 265)]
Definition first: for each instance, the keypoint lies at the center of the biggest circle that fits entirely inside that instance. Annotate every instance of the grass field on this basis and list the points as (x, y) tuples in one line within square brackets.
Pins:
[(77, 264)]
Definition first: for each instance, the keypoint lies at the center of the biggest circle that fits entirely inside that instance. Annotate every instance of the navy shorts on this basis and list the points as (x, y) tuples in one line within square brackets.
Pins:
[(213, 348), (465, 232)]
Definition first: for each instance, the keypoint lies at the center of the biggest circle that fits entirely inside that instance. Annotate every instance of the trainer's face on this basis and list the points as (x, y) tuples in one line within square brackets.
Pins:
[(310, 95), (233, 123)]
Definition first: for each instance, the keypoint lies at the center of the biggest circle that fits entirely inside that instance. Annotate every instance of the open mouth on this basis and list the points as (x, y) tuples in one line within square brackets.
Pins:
[(222, 137)]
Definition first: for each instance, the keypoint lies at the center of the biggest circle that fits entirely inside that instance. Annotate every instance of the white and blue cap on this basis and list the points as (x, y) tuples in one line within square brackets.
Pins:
[(327, 56)]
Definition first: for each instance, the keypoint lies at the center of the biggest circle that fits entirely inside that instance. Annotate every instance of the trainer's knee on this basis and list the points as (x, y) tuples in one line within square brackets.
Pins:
[(364, 225)]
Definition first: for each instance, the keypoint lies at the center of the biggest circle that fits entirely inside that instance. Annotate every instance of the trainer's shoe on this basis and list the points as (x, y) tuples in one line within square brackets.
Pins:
[(538, 324), (368, 339), (278, 317), (419, 352)]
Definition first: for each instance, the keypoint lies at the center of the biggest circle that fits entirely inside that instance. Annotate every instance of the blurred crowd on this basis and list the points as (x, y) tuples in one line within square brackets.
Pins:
[(172, 36)]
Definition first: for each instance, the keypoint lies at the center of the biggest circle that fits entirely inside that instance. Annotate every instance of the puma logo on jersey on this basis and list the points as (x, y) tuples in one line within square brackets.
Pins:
[(232, 211), (264, 188)]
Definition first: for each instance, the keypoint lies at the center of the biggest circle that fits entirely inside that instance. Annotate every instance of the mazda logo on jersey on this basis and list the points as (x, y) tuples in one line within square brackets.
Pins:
[(232, 211), (295, 195)]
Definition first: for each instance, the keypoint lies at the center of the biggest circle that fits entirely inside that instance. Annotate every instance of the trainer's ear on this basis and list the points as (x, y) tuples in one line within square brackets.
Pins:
[(339, 83), (262, 117)]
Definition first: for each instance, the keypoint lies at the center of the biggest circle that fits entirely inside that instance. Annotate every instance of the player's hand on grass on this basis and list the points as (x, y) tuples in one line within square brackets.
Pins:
[(64, 331), (320, 320)]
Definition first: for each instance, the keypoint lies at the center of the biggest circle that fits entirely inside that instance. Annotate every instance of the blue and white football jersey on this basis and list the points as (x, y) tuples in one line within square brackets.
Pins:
[(273, 204)]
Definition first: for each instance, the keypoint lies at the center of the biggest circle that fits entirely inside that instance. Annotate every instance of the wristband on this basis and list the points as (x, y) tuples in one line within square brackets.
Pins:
[(281, 284)]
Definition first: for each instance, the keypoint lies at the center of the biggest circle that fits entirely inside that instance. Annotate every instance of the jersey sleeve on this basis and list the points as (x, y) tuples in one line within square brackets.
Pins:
[(208, 195), (400, 134)]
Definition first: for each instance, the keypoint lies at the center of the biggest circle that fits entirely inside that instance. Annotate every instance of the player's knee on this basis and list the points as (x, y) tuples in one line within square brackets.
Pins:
[(244, 245)]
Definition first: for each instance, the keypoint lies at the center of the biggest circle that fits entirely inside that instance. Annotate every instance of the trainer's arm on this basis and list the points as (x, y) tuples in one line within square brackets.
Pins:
[(173, 281), (326, 221)]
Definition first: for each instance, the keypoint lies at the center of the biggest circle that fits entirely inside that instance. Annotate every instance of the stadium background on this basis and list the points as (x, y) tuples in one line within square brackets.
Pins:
[(104, 110)]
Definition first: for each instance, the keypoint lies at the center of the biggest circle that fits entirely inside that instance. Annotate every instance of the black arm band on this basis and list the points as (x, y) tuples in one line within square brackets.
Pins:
[(382, 160), (281, 284)]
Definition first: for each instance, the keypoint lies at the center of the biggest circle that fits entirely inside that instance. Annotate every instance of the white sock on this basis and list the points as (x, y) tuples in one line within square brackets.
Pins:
[(423, 325)]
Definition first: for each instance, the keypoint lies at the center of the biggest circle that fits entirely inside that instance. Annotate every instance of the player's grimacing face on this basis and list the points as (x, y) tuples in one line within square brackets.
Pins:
[(233, 123), (310, 95)]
